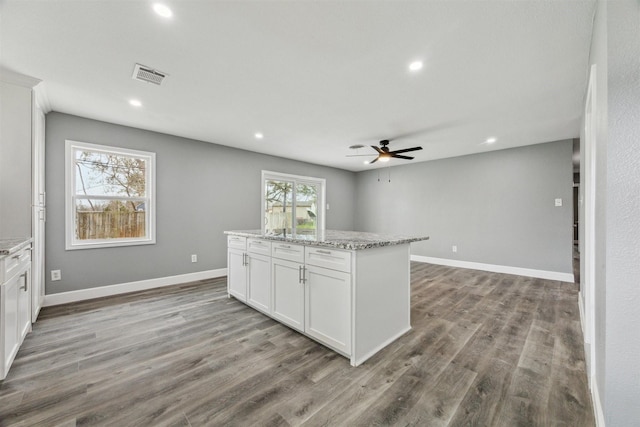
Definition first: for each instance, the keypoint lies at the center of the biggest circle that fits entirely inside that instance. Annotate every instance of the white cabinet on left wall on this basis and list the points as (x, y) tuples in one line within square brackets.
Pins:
[(15, 302), (22, 205)]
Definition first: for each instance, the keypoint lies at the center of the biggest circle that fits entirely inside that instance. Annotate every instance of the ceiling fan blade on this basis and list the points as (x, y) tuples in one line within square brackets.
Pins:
[(406, 150), (377, 149), (395, 156), (374, 160)]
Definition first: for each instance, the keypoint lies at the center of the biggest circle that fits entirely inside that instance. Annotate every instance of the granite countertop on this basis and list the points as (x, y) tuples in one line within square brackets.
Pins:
[(9, 246), (351, 240)]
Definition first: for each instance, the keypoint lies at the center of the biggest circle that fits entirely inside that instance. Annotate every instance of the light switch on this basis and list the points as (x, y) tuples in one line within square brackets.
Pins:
[(558, 202)]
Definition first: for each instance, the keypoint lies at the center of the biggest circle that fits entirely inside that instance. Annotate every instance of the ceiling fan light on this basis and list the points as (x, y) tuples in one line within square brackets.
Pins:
[(384, 158)]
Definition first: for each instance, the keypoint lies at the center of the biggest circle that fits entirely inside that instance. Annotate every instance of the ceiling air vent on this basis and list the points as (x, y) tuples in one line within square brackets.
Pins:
[(147, 74)]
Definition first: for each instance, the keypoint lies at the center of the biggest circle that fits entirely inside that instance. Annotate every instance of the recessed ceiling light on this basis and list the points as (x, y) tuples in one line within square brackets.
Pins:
[(366, 162), (258, 135), (491, 140), (162, 10), (135, 103), (415, 66)]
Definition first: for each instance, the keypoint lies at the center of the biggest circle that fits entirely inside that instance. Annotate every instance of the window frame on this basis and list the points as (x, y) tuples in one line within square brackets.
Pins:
[(71, 242), (296, 179)]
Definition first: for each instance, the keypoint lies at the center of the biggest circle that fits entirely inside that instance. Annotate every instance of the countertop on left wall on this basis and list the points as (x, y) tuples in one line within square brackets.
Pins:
[(14, 244)]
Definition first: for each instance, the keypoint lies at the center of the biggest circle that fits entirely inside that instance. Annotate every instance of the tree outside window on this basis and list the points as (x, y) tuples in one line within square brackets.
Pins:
[(111, 196)]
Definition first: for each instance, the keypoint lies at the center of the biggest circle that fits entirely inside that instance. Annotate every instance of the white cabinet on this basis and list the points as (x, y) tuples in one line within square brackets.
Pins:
[(237, 274), (22, 170), (249, 272), (10, 325), (328, 307), (15, 305), (24, 303), (354, 302), (288, 292), (259, 281)]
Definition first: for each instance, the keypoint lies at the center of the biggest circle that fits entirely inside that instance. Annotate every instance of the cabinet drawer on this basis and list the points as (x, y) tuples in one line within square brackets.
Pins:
[(257, 246), (237, 242), (15, 262), (287, 251), (328, 258)]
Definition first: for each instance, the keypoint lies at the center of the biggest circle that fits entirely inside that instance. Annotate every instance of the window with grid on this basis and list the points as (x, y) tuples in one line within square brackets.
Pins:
[(110, 196)]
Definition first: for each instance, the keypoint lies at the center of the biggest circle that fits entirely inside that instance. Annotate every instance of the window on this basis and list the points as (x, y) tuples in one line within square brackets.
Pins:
[(110, 196), (293, 206)]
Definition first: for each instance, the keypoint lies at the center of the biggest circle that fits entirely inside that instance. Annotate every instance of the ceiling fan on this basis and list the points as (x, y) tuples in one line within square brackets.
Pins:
[(384, 154)]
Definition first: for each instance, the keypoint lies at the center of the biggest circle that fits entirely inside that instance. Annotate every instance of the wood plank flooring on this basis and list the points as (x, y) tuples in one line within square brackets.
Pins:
[(486, 349)]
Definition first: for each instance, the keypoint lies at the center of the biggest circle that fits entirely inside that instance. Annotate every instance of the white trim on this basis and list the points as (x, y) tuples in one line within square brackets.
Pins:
[(123, 288), (71, 243), (529, 272), (18, 79), (597, 405), (42, 99)]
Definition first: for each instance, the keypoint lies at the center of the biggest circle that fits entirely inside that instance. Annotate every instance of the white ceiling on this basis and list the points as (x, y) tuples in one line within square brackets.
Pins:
[(315, 77)]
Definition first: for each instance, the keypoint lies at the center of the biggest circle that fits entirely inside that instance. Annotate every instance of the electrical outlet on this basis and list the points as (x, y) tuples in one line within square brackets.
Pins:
[(56, 275), (194, 258), (558, 202), (454, 248)]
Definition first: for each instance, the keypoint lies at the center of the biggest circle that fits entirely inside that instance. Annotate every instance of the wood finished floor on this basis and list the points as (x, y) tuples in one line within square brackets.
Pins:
[(486, 349)]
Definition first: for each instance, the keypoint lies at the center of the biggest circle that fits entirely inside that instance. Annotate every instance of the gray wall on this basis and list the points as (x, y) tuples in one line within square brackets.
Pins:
[(622, 354), (202, 190), (496, 207), (615, 50)]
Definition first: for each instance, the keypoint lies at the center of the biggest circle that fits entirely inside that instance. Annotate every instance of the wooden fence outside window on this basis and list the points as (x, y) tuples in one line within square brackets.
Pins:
[(110, 225)]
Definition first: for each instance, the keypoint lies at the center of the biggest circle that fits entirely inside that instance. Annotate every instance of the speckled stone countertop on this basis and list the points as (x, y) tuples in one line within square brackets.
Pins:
[(9, 246), (350, 240)]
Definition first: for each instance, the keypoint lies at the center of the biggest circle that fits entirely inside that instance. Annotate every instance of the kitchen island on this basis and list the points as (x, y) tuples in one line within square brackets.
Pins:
[(348, 290)]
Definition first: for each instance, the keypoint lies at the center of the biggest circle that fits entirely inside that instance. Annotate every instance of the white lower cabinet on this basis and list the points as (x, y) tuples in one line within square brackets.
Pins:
[(259, 282), (288, 292), (249, 272), (300, 291), (10, 324), (287, 286), (328, 307), (355, 302), (24, 303), (237, 274), (15, 306)]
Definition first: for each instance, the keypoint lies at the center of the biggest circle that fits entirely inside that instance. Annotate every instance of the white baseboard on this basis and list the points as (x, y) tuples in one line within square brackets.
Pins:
[(597, 405), (123, 288), (529, 272)]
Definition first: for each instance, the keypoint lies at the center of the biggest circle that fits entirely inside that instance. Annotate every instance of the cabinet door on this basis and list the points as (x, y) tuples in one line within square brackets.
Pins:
[(237, 274), (288, 293), (259, 282), (9, 323), (24, 304), (328, 307)]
